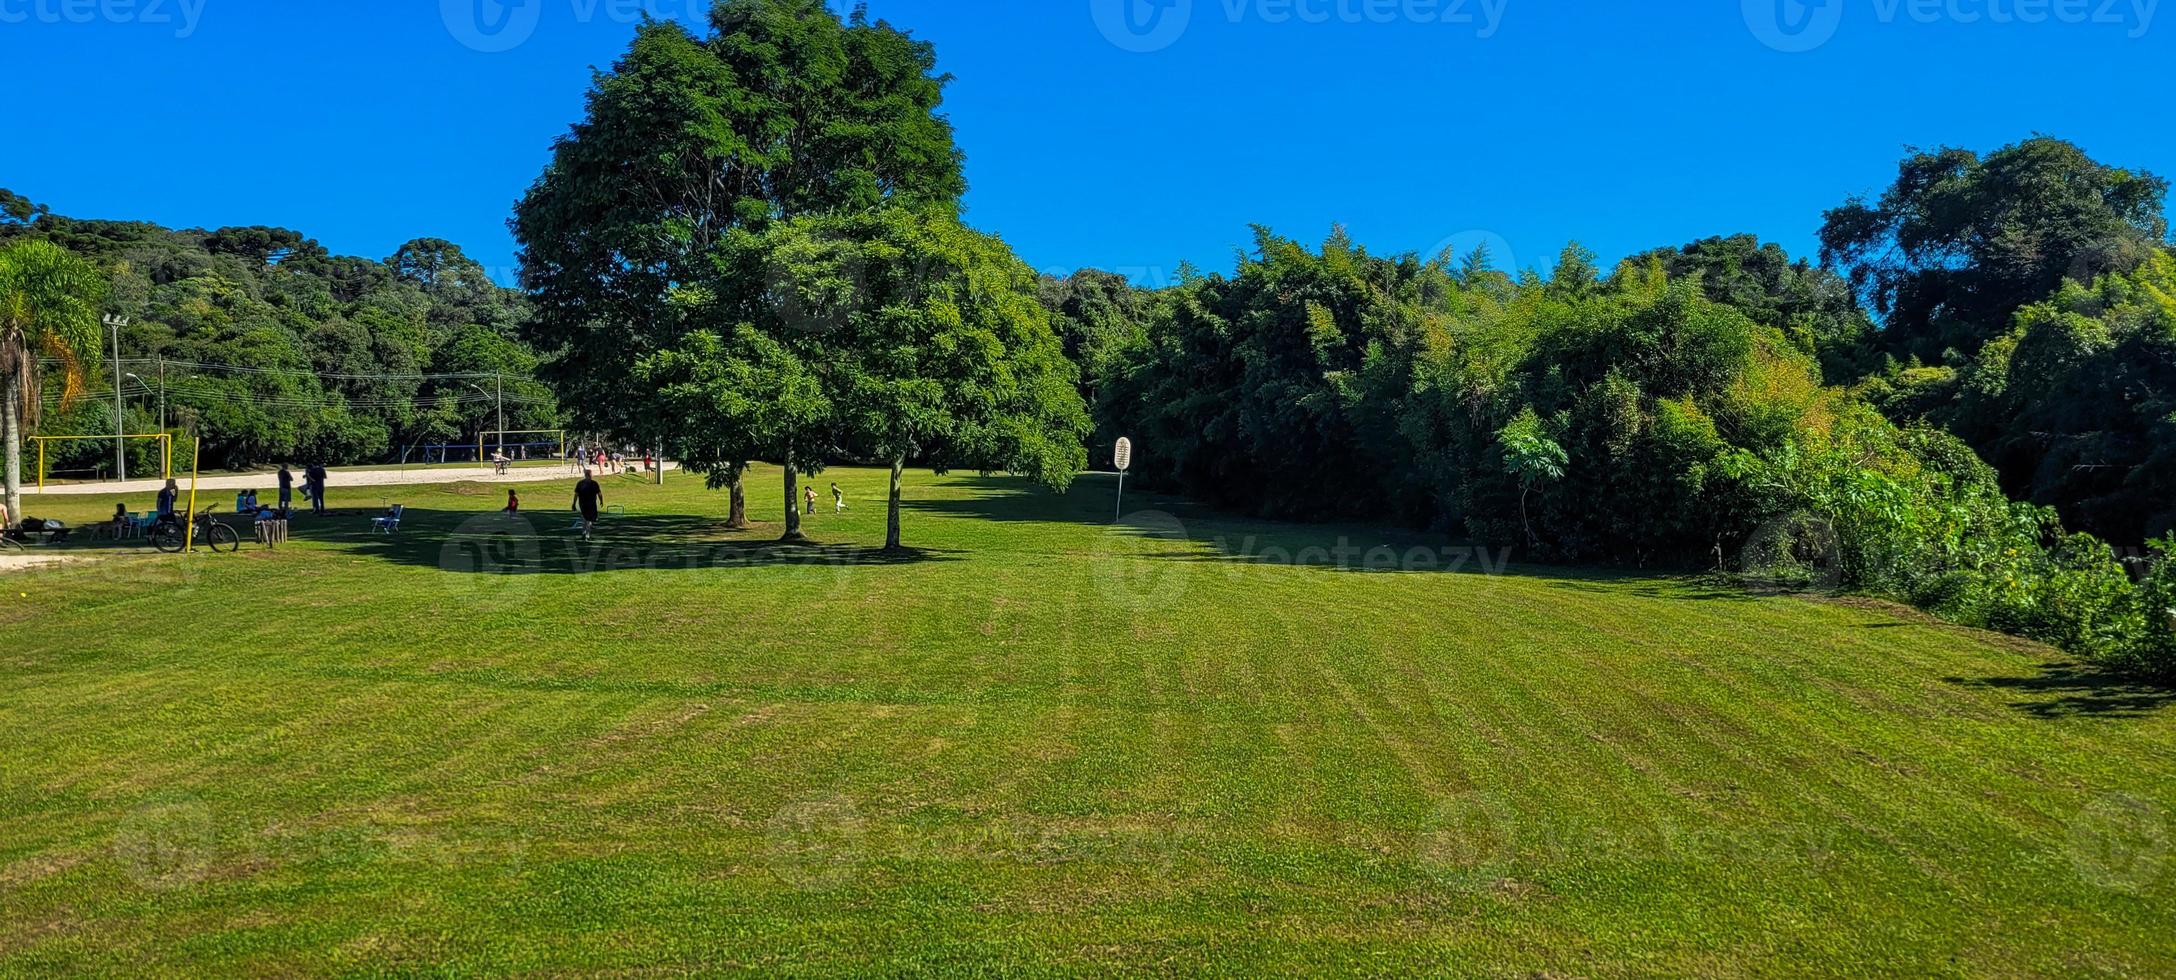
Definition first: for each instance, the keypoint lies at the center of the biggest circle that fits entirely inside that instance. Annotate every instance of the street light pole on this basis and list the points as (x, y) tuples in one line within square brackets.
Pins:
[(120, 426), (473, 386)]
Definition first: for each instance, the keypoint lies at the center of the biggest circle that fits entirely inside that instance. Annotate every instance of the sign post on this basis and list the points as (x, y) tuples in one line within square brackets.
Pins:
[(1123, 456)]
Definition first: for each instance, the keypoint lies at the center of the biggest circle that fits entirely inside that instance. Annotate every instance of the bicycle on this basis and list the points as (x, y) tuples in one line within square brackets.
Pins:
[(167, 535)]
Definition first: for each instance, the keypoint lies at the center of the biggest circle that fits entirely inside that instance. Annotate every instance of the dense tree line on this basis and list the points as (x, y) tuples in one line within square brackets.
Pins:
[(1718, 405), (271, 349)]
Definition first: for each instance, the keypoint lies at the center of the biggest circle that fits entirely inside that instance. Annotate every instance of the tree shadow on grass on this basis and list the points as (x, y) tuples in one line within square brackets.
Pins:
[(549, 543), (2075, 690), (1163, 528)]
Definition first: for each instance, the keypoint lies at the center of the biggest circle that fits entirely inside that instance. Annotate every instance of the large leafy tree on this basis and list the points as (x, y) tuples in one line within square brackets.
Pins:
[(1960, 242), (690, 145), (49, 306), (947, 357), (735, 396)]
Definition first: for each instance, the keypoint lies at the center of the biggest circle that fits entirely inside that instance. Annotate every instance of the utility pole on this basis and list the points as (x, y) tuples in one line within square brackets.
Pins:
[(162, 394), (501, 378), (120, 426)]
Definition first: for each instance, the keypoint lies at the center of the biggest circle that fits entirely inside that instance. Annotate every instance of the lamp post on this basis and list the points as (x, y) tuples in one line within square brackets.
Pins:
[(120, 426)]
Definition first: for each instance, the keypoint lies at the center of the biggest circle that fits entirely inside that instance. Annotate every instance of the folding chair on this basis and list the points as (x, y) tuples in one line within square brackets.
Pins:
[(390, 522)]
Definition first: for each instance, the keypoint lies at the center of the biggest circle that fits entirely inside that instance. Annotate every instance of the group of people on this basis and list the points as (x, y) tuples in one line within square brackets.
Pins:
[(595, 458), (313, 478)]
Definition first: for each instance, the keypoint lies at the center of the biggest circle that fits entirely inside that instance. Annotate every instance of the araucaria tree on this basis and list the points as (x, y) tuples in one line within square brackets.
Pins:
[(634, 239), (49, 303)]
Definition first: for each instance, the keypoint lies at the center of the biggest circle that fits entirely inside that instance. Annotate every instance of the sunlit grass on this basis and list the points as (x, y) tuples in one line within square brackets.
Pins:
[(1041, 744)]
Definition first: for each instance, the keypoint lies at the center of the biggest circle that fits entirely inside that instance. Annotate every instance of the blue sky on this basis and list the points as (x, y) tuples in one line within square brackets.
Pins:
[(1098, 135)]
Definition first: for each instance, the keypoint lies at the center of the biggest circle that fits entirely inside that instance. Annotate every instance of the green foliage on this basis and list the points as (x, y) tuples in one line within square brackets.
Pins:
[(773, 209), (49, 308), (272, 350), (1960, 242), (1667, 426)]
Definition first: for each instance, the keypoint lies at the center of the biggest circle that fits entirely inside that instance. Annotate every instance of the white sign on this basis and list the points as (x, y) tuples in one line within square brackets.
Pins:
[(1124, 455)]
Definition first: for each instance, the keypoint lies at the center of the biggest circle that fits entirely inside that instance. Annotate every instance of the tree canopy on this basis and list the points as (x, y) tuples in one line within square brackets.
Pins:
[(1960, 242), (773, 208)]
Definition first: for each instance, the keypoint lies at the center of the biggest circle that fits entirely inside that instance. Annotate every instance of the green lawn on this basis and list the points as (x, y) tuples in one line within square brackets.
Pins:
[(1041, 746)]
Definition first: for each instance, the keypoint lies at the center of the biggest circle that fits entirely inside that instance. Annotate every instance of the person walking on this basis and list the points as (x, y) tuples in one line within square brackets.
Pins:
[(810, 496), (513, 503), (838, 499), (588, 501), (287, 490)]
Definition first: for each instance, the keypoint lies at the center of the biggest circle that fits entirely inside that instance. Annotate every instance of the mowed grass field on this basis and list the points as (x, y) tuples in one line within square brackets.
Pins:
[(1043, 745)]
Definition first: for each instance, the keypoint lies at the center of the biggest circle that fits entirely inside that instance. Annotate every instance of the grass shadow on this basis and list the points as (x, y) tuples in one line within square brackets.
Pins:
[(550, 543), (1195, 532), (2074, 690)]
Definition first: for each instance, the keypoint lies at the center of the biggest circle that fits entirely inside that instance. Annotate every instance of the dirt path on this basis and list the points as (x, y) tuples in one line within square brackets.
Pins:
[(12, 562)]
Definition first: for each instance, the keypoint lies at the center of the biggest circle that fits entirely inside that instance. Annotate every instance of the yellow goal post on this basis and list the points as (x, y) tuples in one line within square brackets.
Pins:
[(559, 437), (165, 440)]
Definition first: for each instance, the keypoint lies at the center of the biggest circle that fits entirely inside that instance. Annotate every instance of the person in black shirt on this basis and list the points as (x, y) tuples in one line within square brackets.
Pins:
[(314, 477), (588, 499), (287, 490)]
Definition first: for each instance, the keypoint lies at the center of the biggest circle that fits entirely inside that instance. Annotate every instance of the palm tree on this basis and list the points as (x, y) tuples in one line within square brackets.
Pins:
[(49, 302)]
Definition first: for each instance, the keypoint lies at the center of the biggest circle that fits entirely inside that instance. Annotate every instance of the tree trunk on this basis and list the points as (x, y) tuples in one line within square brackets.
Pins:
[(793, 502), (737, 519), (11, 433), (1531, 540), (891, 519)]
